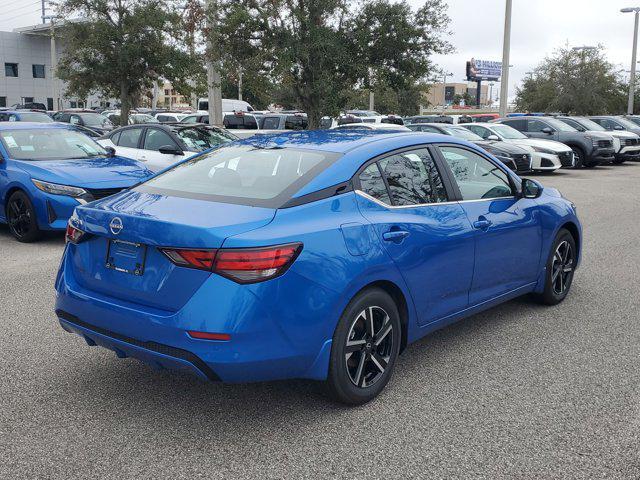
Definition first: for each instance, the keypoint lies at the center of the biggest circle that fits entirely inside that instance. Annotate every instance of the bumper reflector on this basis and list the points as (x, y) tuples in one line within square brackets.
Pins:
[(223, 337)]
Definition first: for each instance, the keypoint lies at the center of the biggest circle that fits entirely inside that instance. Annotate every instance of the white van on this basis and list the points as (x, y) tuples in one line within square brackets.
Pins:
[(228, 105)]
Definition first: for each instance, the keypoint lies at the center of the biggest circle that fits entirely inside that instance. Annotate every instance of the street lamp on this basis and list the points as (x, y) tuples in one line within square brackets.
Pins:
[(632, 78), (506, 46), (444, 89)]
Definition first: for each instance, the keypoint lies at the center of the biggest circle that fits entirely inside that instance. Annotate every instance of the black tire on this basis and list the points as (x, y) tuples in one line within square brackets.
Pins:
[(358, 372), (619, 160), (579, 156), (21, 217), (591, 164), (560, 269)]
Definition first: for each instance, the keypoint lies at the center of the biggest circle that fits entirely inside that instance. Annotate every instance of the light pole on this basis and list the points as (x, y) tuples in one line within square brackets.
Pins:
[(444, 88), (632, 77), (491, 84), (506, 46)]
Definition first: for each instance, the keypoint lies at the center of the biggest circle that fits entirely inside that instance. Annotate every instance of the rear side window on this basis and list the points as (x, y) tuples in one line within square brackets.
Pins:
[(247, 122), (411, 177), (293, 122), (130, 138), (243, 174)]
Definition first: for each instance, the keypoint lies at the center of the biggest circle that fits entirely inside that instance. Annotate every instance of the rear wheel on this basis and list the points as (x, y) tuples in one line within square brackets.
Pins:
[(365, 347), (619, 160), (578, 155), (21, 217), (561, 266)]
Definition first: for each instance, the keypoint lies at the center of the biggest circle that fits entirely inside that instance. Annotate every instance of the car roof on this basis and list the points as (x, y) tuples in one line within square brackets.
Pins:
[(341, 141), (28, 125)]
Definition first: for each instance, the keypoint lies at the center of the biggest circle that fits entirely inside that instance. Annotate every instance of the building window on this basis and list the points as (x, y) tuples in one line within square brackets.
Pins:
[(38, 71), (73, 104), (49, 103), (3, 102), (166, 91), (11, 69)]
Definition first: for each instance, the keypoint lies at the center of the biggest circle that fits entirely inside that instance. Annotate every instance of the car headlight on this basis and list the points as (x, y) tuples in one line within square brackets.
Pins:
[(543, 150), (57, 189)]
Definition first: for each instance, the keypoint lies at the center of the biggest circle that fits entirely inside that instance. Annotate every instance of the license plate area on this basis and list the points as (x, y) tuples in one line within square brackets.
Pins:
[(126, 257)]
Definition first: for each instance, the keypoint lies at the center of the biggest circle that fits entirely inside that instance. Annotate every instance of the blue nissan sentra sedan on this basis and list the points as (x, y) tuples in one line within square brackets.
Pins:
[(316, 255), (48, 169)]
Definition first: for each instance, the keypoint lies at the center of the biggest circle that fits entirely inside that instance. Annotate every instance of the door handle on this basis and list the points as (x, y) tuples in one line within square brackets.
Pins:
[(395, 236), (482, 223)]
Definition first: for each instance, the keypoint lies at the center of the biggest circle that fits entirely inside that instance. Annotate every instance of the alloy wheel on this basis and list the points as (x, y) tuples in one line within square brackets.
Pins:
[(19, 217), (369, 346), (562, 268)]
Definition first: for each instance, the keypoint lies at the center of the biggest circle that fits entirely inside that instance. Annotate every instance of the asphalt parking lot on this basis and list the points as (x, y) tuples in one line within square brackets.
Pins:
[(520, 391)]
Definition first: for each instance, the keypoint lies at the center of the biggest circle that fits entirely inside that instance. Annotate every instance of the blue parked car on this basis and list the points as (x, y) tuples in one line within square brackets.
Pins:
[(24, 116), (316, 255), (48, 169)]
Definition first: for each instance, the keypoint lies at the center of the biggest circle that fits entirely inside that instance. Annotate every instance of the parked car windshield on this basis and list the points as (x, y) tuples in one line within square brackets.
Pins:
[(590, 124), (560, 126), (95, 120), (245, 174), (510, 133), (35, 117), (626, 123), (49, 144), (198, 139), (461, 132)]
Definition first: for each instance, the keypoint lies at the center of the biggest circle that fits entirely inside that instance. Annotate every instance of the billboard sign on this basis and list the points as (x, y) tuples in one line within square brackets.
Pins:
[(483, 70)]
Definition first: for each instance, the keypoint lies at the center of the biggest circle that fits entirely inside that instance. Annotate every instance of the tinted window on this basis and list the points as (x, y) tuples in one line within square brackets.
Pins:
[(271, 123), (114, 138), (130, 138), (243, 174), (11, 69), (476, 176), (520, 125), (240, 122), (372, 184), (293, 122), (413, 178), (165, 118), (156, 138)]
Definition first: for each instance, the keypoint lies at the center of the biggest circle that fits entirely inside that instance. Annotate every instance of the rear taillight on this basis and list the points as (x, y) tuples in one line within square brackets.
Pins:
[(73, 235), (242, 265)]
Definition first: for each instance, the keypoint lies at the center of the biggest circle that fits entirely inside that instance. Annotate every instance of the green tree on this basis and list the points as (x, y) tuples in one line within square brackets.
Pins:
[(121, 47), (323, 55), (579, 82)]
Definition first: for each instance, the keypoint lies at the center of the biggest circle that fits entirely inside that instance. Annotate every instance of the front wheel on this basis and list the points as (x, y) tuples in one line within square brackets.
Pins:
[(365, 347), (21, 217), (561, 266), (578, 156)]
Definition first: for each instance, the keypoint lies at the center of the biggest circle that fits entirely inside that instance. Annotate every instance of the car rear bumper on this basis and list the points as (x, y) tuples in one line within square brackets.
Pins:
[(262, 345)]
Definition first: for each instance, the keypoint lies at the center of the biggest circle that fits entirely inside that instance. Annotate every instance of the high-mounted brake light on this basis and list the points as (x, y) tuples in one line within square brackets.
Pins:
[(242, 265)]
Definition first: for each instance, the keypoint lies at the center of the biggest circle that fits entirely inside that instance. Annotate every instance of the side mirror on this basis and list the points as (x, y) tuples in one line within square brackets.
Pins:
[(618, 127), (493, 137), (530, 188), (170, 150), (547, 130), (111, 152)]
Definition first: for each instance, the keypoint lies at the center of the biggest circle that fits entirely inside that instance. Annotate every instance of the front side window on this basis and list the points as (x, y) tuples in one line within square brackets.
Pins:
[(463, 133), (49, 144), (294, 122), (477, 177), (480, 131), (155, 139), (505, 131), (244, 175), (130, 138), (536, 126), (520, 125)]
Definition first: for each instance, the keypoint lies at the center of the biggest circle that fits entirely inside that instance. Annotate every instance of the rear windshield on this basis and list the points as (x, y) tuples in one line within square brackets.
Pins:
[(246, 175), (35, 117)]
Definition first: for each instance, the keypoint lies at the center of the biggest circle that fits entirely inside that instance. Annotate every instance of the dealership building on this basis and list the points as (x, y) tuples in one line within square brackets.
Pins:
[(27, 61)]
